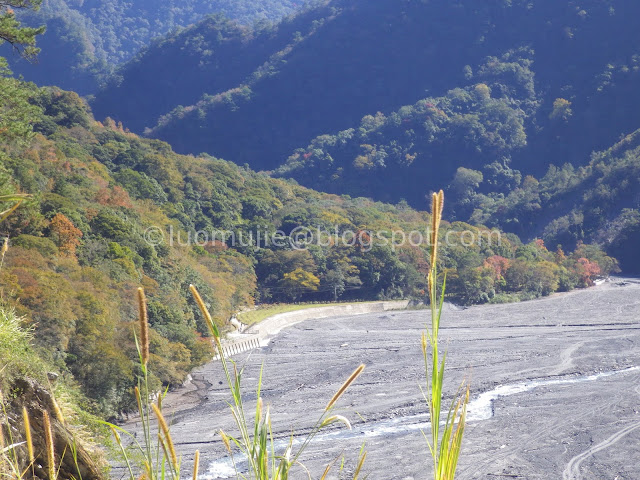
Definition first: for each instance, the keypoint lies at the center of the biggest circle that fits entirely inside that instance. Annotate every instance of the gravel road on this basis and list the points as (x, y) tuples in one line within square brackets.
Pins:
[(555, 389)]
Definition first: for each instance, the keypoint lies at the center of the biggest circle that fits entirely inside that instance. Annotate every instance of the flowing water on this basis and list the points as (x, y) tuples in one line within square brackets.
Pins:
[(480, 408)]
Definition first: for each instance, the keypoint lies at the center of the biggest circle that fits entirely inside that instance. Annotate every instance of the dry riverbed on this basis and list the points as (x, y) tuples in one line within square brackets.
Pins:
[(555, 389)]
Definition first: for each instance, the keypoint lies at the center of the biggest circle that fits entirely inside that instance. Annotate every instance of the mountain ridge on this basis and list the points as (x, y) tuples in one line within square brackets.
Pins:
[(373, 56), (87, 40)]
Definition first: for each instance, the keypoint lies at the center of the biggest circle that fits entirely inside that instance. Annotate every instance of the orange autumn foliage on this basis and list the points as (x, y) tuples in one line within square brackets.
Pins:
[(114, 197), (65, 235)]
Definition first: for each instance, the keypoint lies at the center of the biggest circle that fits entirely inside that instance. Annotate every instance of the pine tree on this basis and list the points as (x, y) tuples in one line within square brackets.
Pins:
[(22, 39), (16, 113)]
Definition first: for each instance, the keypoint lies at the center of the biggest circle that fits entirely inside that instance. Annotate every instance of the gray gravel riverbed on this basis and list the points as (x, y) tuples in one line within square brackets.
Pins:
[(555, 389)]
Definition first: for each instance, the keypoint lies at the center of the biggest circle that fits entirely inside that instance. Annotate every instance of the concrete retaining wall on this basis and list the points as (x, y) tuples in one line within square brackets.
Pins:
[(258, 335)]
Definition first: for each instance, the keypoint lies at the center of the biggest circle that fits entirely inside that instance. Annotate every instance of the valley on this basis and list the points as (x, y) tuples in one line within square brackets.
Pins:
[(555, 389), (170, 171)]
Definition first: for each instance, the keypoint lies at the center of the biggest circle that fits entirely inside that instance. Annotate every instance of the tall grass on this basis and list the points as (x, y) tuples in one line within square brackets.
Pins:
[(444, 447), (253, 440), (17, 456), (12, 463), (18, 359)]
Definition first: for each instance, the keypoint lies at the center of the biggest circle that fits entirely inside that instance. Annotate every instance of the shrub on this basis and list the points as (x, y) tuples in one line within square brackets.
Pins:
[(42, 245)]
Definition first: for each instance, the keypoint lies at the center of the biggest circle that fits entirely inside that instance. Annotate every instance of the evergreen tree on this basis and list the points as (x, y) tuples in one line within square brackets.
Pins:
[(16, 113), (22, 39)]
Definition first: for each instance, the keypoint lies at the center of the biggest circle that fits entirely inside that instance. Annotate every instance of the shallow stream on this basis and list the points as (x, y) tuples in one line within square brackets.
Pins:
[(480, 408)]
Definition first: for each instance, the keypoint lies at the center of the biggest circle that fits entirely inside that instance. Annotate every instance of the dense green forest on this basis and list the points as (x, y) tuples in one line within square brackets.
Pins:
[(399, 155), (219, 52), (598, 202), (86, 40)]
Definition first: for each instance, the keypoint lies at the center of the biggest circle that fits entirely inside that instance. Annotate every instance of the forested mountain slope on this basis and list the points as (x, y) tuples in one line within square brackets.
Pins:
[(562, 73), (85, 40), (406, 153), (214, 55), (598, 202)]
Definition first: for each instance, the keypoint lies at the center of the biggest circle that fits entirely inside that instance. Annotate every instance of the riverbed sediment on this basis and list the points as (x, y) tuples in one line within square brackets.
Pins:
[(560, 374)]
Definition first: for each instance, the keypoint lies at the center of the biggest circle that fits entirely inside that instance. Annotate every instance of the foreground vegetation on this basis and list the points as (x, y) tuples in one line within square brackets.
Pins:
[(444, 448), (254, 441)]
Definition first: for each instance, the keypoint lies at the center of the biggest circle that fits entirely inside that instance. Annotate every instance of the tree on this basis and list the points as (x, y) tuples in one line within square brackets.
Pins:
[(587, 272), (64, 108), (22, 39), (498, 265), (471, 285), (335, 283), (274, 264), (65, 235), (297, 283), (464, 188), (544, 278), (540, 277), (16, 113), (561, 110), (466, 181)]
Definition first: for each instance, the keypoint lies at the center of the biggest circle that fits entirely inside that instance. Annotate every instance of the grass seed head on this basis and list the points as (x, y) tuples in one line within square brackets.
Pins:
[(423, 342), (267, 417), (196, 464), (27, 434), (116, 436), (436, 215), (167, 435), (259, 410), (48, 437), (225, 440), (205, 312), (334, 419), (356, 474), (356, 373), (144, 326), (58, 411), (149, 473), (138, 400)]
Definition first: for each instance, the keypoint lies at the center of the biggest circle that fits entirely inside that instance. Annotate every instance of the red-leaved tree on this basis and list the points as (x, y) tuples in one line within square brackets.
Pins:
[(65, 234)]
